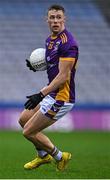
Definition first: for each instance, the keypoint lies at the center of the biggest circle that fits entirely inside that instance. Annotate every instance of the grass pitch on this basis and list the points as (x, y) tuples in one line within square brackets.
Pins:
[(90, 156)]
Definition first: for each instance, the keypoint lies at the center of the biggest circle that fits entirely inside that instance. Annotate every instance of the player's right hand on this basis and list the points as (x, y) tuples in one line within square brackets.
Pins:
[(33, 100), (28, 64)]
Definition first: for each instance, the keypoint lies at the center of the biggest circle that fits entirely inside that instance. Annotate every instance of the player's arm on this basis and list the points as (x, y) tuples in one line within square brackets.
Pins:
[(65, 66)]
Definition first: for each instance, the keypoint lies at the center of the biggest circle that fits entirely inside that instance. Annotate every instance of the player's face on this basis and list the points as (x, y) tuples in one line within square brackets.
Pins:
[(56, 21)]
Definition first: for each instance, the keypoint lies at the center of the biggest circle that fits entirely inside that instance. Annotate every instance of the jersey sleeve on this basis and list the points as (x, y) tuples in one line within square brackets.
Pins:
[(68, 50)]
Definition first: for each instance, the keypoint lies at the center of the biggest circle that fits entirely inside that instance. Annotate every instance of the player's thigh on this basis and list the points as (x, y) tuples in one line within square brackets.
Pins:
[(37, 123), (27, 114)]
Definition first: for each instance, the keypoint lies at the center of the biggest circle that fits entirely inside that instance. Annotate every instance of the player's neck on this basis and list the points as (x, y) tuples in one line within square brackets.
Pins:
[(56, 34)]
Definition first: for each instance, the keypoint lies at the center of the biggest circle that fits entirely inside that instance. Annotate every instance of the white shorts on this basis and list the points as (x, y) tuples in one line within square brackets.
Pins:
[(54, 109)]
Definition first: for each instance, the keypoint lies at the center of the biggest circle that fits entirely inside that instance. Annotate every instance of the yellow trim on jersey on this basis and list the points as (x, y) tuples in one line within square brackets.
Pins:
[(63, 38), (51, 112), (63, 94), (53, 37), (67, 59)]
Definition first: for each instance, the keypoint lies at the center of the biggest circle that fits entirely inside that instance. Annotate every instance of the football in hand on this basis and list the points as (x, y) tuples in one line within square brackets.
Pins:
[(37, 59)]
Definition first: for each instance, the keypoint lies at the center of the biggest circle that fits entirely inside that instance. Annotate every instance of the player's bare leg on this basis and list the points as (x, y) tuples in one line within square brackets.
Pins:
[(24, 118), (26, 115), (32, 131)]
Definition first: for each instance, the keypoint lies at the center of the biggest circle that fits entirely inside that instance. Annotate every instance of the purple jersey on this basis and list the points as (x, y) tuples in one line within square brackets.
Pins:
[(62, 47)]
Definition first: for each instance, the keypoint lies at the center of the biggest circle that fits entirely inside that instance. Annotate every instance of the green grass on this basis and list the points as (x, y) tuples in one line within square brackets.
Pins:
[(90, 150)]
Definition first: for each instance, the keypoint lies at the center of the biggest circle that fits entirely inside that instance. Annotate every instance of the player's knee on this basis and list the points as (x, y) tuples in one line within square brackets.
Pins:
[(26, 133), (21, 122)]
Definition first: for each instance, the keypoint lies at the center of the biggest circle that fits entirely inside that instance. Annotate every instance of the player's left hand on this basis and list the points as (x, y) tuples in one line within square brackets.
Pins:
[(28, 64), (33, 100)]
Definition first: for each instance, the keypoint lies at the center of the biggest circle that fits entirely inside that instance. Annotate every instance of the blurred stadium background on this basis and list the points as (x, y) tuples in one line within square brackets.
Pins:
[(23, 28)]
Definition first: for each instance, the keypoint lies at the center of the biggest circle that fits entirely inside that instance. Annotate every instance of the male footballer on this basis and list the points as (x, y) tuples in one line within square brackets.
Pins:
[(57, 98)]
